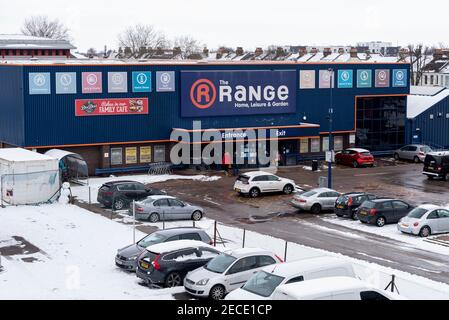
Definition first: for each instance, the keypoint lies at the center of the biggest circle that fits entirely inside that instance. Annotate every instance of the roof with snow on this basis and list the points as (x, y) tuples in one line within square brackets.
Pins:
[(20, 41), (22, 155), (423, 98)]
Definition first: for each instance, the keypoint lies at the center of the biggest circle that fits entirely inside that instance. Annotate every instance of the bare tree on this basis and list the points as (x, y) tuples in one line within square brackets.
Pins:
[(139, 36), (188, 45), (42, 26), (418, 60), (91, 52)]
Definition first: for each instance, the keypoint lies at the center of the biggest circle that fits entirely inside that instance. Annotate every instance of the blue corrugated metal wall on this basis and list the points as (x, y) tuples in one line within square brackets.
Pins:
[(433, 131), (11, 105), (50, 119)]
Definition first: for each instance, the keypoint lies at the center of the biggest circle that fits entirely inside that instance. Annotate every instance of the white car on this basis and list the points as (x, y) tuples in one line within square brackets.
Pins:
[(316, 200), (227, 272), (425, 221), (262, 285), (258, 182), (333, 288)]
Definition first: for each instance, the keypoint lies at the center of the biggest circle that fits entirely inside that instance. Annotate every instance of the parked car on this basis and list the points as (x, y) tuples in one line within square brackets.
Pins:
[(436, 165), (166, 264), (383, 211), (156, 208), (258, 182), (333, 288), (348, 203), (227, 272), (316, 200), (355, 157), (425, 220), (119, 194), (126, 257), (415, 152), (262, 285)]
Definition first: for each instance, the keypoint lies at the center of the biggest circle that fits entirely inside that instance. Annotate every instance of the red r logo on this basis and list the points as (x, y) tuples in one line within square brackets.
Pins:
[(203, 94)]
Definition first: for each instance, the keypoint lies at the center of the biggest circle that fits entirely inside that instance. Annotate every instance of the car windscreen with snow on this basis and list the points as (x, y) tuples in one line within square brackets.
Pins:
[(220, 264), (151, 239), (263, 284), (308, 194)]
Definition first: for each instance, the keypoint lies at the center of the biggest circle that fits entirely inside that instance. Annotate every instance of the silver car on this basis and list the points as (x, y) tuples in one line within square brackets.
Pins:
[(158, 208), (415, 152), (425, 220), (316, 200)]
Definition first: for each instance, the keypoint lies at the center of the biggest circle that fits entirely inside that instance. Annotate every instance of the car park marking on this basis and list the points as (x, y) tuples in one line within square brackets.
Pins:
[(371, 174)]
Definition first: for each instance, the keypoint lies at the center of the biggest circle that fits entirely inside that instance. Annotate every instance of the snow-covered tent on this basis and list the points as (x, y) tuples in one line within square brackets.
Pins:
[(27, 177), (73, 166)]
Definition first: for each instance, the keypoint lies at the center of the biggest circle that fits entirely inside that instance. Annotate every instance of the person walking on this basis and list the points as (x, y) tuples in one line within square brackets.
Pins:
[(227, 162)]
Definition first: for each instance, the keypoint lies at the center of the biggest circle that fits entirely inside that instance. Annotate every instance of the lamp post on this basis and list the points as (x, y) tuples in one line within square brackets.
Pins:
[(331, 141)]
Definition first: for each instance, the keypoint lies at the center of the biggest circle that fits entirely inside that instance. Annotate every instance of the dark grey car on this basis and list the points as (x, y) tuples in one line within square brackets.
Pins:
[(126, 257)]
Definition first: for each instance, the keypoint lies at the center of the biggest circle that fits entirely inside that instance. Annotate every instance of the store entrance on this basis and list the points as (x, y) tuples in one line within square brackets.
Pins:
[(288, 150)]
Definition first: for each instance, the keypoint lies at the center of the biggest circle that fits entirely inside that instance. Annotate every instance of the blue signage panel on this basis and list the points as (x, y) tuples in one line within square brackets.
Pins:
[(228, 93), (65, 82), (39, 83), (364, 78), (142, 81), (400, 78), (345, 78)]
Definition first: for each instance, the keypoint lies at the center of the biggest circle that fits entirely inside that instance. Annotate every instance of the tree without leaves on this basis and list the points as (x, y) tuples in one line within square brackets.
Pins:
[(188, 45), (418, 60), (139, 36), (42, 26)]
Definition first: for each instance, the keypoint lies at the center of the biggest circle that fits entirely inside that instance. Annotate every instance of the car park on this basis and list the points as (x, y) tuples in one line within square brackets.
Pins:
[(333, 288), (158, 208), (316, 200), (227, 272), (383, 211), (355, 157), (120, 194), (436, 165), (126, 257), (425, 220), (262, 285), (166, 264), (415, 152), (258, 182), (347, 204)]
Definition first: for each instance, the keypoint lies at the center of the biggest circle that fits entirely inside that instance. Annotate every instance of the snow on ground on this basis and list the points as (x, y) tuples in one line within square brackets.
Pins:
[(78, 248), (82, 192), (389, 231)]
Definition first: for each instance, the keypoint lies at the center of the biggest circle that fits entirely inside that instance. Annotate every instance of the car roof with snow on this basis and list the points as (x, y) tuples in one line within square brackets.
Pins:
[(255, 173), (178, 230), (290, 269), (158, 197), (110, 183), (359, 150), (439, 153), (243, 252), (429, 206), (177, 245), (319, 190)]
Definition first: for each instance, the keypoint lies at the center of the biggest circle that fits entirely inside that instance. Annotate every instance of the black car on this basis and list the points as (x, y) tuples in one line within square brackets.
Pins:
[(347, 204), (119, 194), (167, 264), (383, 211), (436, 165)]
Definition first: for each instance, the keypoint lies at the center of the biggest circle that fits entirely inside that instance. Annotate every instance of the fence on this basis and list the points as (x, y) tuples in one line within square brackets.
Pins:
[(160, 168)]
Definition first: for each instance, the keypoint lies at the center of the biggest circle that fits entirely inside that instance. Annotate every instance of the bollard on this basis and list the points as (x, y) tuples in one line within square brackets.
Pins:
[(285, 252), (134, 221), (215, 233), (244, 238), (90, 200)]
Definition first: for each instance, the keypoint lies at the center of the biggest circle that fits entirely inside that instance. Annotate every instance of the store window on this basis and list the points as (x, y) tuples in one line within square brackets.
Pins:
[(325, 143), (145, 154), (304, 146), (116, 156), (315, 145), (159, 153), (338, 143), (131, 155)]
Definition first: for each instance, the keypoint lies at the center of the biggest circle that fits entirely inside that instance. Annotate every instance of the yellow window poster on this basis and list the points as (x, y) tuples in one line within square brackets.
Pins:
[(145, 154), (131, 155)]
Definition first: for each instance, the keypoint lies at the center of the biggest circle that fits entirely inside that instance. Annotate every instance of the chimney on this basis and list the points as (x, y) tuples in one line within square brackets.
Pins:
[(438, 54), (302, 51), (327, 52), (314, 51), (206, 51), (403, 53), (128, 51), (353, 53), (142, 50), (341, 50), (258, 51), (279, 51), (239, 51)]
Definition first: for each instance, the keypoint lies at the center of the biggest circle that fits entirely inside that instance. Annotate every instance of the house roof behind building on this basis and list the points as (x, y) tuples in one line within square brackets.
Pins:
[(20, 41), (422, 99)]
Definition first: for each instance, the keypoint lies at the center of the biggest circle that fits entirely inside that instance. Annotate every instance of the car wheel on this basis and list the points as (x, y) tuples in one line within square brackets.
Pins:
[(254, 193), (173, 280), (355, 164), (430, 177), (396, 156), (416, 159), (425, 232), (217, 292), (154, 217), (316, 208), (380, 222), (288, 189), (364, 222), (354, 216), (119, 204), (197, 216), (446, 177)]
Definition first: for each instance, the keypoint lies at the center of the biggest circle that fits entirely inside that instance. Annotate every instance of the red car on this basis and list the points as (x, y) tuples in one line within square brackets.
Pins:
[(355, 157)]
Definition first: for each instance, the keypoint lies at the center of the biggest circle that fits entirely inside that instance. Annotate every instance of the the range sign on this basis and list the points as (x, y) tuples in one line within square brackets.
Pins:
[(228, 93), (111, 107)]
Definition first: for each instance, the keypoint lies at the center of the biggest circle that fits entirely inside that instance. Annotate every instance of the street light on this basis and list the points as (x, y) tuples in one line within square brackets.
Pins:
[(331, 141)]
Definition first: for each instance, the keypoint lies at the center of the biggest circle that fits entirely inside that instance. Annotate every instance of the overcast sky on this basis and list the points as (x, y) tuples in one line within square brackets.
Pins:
[(246, 23)]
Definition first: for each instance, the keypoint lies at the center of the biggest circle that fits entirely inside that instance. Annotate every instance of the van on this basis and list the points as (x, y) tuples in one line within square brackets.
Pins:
[(333, 288), (436, 165)]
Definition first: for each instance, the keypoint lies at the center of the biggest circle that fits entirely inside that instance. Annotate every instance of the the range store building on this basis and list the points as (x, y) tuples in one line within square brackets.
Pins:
[(122, 115)]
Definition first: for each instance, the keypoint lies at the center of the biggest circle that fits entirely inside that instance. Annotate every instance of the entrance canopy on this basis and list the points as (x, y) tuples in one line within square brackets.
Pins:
[(72, 165)]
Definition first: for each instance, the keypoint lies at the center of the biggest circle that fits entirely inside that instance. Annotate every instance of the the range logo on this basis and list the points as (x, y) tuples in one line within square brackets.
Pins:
[(203, 94)]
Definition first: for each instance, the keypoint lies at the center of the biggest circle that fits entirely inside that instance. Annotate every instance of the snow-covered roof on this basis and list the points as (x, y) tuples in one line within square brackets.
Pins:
[(242, 252), (22, 155), (425, 90), (176, 245), (20, 41), (417, 104), (58, 154)]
